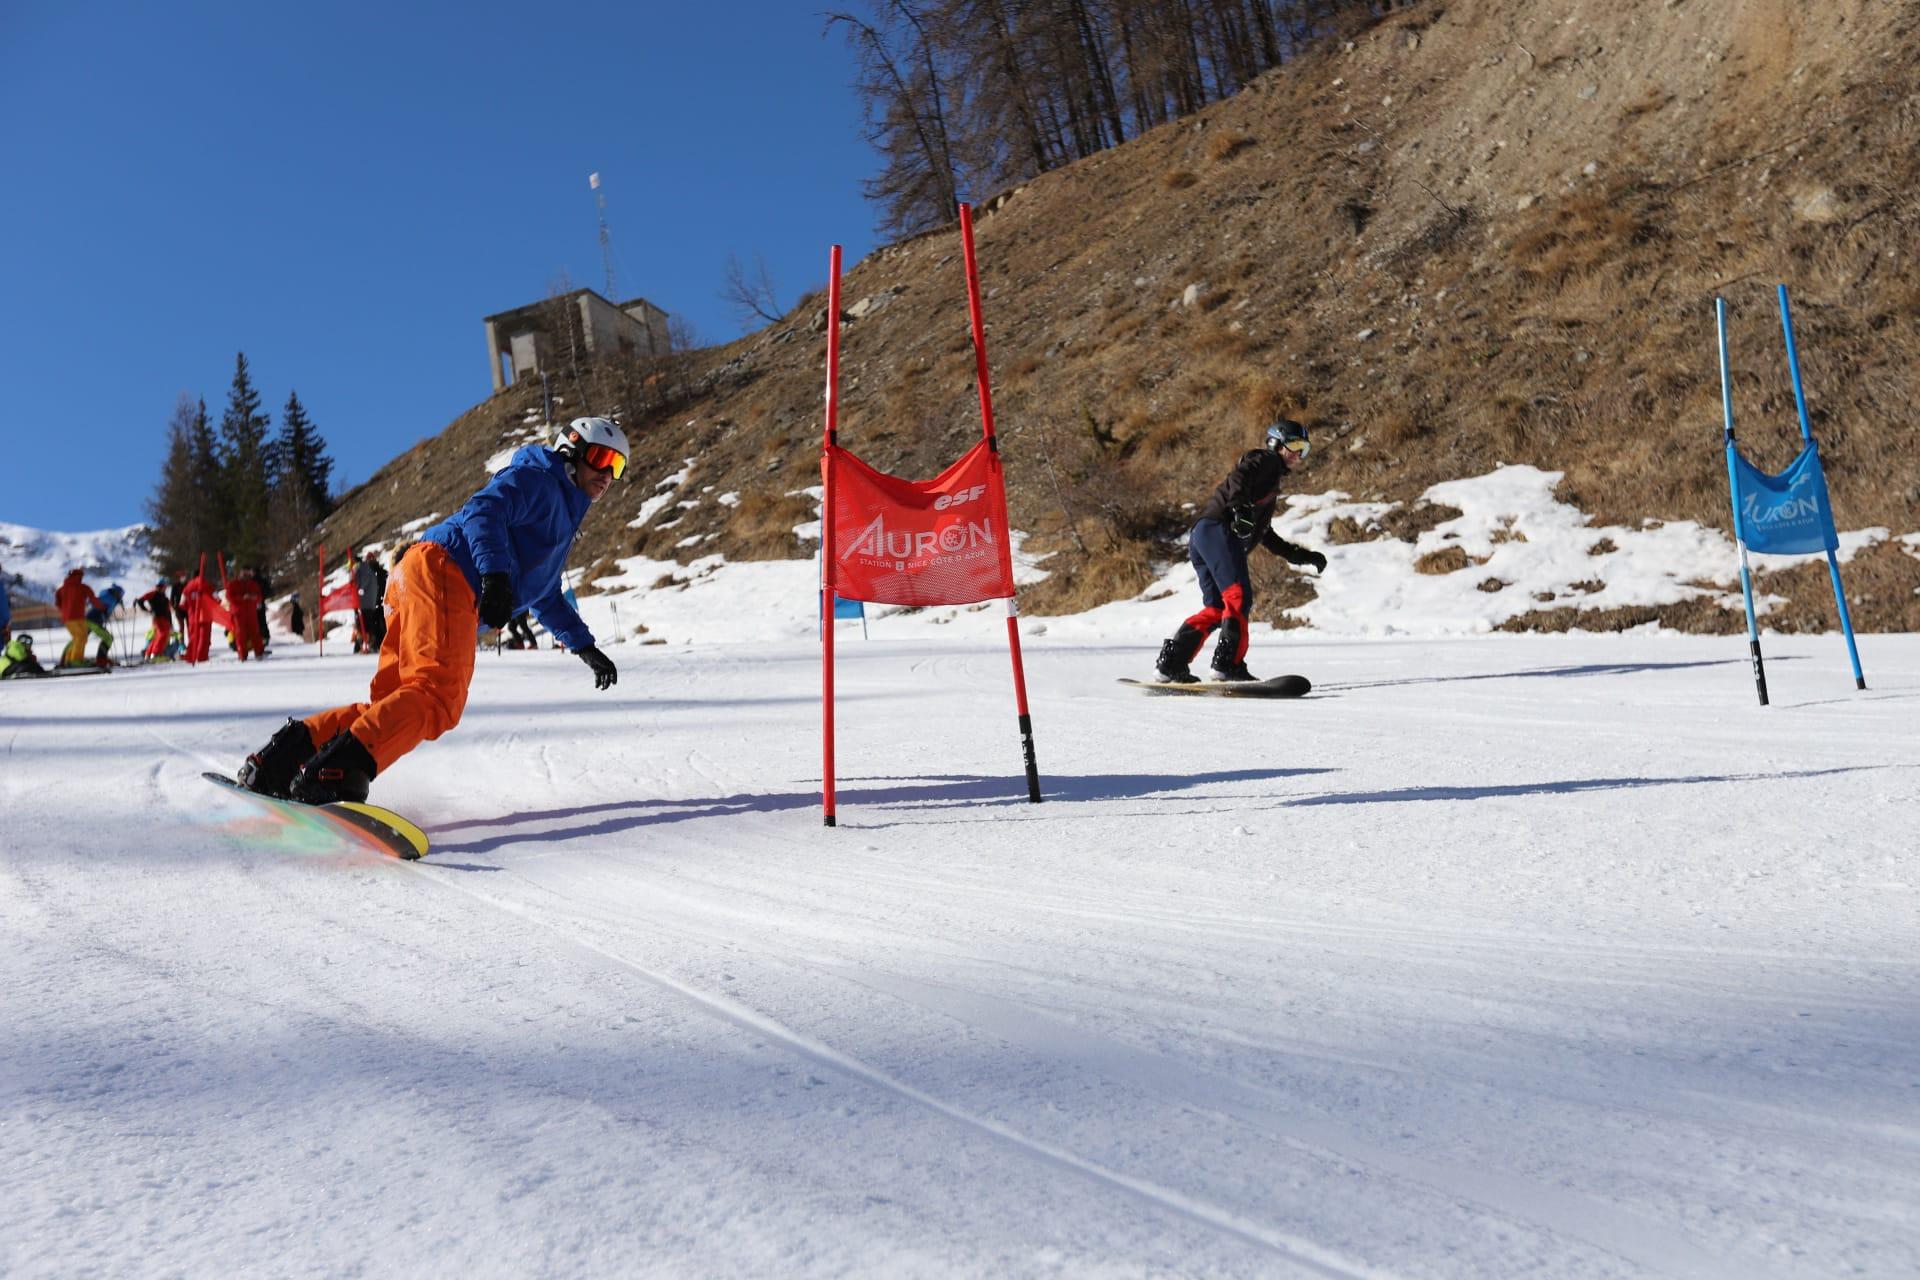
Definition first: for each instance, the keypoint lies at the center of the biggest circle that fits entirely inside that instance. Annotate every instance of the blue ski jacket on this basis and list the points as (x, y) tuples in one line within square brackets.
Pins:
[(109, 601), (522, 524)]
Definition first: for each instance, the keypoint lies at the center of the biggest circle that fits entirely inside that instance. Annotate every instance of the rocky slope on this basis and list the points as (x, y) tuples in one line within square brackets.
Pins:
[(1474, 233)]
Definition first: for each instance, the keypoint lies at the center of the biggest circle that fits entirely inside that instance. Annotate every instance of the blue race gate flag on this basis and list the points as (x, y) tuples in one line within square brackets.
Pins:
[(1787, 514)]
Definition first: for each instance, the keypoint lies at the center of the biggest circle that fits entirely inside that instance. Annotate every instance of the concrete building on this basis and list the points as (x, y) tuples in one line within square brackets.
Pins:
[(546, 334)]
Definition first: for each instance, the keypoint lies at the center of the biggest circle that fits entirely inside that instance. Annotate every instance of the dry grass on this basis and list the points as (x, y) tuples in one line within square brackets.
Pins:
[(1445, 560), (761, 527), (1225, 146), (1345, 530), (1407, 523), (1178, 179), (1702, 617)]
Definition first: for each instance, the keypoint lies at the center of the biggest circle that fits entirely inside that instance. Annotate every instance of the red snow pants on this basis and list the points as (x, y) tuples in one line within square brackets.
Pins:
[(246, 634), (162, 635), (199, 640), (426, 662)]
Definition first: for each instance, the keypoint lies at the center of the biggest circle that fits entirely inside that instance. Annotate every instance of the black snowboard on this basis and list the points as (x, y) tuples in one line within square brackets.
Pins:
[(1277, 687)]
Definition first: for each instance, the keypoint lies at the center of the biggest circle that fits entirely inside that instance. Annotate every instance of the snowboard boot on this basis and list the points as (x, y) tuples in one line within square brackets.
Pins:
[(341, 770), (1227, 662), (1176, 653), (269, 771)]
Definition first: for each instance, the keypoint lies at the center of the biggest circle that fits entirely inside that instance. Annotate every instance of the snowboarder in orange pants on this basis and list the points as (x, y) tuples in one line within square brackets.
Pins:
[(508, 543)]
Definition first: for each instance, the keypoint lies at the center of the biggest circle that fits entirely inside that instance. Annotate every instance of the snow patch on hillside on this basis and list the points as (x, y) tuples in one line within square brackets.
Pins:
[(1521, 549)]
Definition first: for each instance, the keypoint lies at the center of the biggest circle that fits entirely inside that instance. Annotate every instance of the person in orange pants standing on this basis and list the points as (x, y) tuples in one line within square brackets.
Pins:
[(75, 597), (243, 606), (508, 543)]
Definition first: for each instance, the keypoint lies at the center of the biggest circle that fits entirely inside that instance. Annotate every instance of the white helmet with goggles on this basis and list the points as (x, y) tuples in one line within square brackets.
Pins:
[(598, 442)]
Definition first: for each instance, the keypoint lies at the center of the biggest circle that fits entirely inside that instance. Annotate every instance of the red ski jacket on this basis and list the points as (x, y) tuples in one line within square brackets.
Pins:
[(74, 598)]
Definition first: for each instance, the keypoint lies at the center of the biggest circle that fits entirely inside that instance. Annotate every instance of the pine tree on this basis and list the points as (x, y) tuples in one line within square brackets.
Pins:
[(246, 470), (173, 510), (209, 521), (303, 474)]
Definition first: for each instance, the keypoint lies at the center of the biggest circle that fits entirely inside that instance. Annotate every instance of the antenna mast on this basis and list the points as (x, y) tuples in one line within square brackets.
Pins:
[(606, 240)]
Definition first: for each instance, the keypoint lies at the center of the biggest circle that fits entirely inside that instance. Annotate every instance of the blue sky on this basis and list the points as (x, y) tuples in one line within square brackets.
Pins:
[(343, 191)]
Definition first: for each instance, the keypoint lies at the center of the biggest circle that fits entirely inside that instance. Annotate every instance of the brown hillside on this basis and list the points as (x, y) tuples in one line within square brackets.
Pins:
[(1476, 232)]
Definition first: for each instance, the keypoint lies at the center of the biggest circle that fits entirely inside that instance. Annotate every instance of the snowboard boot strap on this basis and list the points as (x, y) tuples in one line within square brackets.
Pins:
[(1228, 656), (270, 770), (1176, 655), (342, 770)]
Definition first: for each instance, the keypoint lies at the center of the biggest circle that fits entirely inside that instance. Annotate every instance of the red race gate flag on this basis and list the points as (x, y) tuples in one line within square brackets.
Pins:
[(920, 542), (894, 541)]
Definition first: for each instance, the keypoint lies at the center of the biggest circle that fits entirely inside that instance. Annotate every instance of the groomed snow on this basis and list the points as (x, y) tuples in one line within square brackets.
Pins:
[(1498, 956)]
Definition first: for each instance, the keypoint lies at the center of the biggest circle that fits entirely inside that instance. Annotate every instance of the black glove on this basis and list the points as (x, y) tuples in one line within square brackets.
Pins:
[(1240, 520), (1318, 561), (603, 669), (496, 599)]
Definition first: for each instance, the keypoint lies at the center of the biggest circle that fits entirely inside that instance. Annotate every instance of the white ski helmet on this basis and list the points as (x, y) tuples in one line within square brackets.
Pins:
[(599, 441)]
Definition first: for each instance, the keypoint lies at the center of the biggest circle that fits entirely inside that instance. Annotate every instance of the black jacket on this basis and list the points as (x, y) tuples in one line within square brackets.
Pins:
[(1245, 500), (370, 579)]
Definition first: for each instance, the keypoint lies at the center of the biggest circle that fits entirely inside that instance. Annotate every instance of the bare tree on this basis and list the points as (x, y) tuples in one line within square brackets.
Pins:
[(905, 103), (751, 293)]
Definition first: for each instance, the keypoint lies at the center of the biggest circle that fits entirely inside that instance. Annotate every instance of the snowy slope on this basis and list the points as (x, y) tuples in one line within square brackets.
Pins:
[(42, 558), (1499, 956)]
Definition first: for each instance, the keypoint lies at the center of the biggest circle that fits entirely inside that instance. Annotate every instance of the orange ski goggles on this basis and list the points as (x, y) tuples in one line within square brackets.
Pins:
[(604, 457)]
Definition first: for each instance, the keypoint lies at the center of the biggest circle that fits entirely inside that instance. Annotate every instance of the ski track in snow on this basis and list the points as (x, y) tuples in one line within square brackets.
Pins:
[(1541, 955)]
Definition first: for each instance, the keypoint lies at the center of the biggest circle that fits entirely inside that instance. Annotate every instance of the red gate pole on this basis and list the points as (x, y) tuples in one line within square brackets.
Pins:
[(993, 443), (829, 576)]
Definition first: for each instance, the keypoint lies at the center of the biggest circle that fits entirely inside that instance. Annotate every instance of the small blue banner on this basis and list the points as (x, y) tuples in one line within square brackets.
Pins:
[(845, 608), (1787, 514)]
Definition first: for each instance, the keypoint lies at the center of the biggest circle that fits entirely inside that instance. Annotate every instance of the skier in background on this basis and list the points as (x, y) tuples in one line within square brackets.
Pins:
[(6, 610), (243, 609), (519, 634), (260, 610), (97, 618), (297, 619), (17, 660), (75, 597), (508, 543), (370, 581), (155, 602), (1238, 516), (196, 607)]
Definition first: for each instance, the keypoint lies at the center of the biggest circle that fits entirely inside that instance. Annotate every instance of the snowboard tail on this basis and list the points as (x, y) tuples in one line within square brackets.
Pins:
[(1277, 687), (365, 824)]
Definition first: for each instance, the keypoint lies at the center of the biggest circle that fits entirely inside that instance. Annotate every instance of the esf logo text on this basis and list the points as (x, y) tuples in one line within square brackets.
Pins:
[(946, 500)]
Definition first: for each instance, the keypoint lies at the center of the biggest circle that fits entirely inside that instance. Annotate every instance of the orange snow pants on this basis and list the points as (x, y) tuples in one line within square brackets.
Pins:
[(78, 633), (426, 662)]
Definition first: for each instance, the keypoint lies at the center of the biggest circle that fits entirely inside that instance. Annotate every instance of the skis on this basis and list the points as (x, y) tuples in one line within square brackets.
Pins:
[(364, 824), (1277, 687)]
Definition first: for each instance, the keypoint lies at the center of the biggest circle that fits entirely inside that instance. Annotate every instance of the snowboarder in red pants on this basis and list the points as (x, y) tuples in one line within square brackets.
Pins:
[(1235, 519)]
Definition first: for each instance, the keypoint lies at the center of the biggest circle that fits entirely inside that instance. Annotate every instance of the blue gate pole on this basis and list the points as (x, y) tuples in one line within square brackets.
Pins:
[(1733, 483), (1806, 434)]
